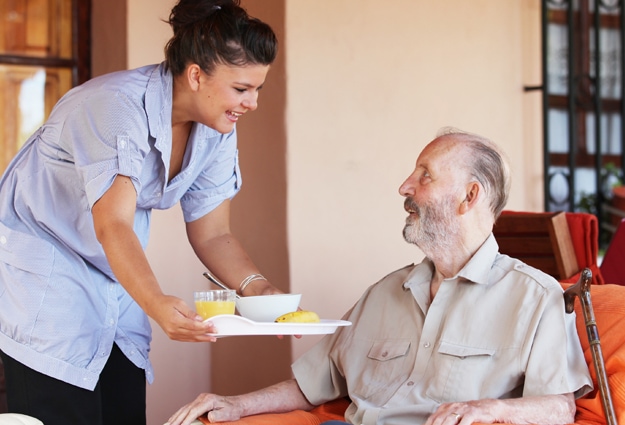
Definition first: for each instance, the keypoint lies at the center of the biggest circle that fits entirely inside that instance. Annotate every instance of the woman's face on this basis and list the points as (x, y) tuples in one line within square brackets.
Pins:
[(228, 93)]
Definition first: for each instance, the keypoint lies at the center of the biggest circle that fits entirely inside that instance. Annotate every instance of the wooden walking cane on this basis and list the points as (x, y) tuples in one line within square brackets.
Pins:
[(582, 290)]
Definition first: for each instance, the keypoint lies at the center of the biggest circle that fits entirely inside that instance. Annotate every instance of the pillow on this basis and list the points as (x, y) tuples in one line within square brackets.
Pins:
[(608, 304)]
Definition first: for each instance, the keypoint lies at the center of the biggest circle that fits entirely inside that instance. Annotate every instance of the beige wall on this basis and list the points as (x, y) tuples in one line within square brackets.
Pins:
[(182, 370), (369, 85), (258, 219), (363, 86)]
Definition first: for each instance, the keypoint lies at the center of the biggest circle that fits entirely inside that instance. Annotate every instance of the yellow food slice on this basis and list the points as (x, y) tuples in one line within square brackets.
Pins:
[(301, 316)]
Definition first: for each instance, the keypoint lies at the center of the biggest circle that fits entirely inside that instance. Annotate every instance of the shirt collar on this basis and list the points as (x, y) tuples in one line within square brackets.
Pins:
[(158, 100), (476, 270)]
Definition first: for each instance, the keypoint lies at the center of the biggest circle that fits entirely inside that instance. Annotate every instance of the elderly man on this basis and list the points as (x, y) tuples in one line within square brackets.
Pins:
[(468, 335)]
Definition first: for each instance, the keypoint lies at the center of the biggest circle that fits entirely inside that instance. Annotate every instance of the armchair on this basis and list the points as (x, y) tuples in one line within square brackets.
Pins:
[(609, 309), (608, 306)]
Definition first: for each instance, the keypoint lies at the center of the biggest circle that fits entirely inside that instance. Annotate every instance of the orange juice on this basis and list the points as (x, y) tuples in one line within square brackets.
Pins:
[(208, 309)]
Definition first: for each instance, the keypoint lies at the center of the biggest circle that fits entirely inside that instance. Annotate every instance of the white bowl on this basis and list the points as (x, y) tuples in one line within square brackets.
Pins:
[(267, 308)]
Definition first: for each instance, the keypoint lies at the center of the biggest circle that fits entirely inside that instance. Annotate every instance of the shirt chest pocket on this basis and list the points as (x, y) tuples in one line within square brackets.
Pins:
[(461, 371), (463, 352), (26, 262), (25, 252), (385, 366), (388, 350)]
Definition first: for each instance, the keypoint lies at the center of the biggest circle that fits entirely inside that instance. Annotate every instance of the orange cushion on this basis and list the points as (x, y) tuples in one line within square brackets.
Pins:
[(332, 410), (608, 304), (297, 417)]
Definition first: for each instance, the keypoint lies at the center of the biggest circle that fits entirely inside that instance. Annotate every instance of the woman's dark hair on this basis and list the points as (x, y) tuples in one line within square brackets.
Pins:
[(211, 32)]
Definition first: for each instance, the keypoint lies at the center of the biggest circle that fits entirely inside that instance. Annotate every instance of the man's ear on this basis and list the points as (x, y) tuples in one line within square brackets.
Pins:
[(193, 74), (472, 195)]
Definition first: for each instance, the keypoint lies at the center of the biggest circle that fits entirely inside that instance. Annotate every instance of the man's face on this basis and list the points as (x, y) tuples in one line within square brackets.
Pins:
[(433, 194), (431, 225)]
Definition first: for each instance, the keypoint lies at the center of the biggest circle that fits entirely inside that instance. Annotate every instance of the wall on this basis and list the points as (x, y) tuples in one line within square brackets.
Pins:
[(182, 370), (108, 36), (363, 87), (258, 218), (369, 85)]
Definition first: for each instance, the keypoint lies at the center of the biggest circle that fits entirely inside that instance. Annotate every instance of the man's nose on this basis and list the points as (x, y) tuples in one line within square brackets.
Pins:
[(407, 188)]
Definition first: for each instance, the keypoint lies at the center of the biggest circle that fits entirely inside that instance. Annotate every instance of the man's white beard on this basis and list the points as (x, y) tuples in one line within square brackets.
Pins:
[(436, 229)]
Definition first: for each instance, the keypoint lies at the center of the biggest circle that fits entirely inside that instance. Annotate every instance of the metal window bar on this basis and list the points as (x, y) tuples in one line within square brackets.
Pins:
[(583, 100)]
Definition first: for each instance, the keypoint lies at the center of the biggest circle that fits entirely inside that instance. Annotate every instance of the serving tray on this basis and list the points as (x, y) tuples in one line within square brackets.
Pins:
[(232, 325)]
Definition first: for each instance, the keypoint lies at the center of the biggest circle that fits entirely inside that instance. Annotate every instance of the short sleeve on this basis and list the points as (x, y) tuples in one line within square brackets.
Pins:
[(108, 136), (316, 374), (219, 180), (565, 369)]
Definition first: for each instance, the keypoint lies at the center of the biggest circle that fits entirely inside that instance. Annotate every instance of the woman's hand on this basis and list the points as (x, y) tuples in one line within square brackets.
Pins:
[(178, 321), (219, 408)]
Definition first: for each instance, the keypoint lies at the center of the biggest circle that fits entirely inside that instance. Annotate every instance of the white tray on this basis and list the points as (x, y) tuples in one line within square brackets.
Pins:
[(231, 325)]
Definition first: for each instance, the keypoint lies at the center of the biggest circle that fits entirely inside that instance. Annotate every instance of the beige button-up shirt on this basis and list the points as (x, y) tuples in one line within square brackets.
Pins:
[(496, 330)]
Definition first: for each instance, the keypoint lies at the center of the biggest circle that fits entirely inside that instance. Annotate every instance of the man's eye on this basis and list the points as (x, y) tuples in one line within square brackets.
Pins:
[(240, 90)]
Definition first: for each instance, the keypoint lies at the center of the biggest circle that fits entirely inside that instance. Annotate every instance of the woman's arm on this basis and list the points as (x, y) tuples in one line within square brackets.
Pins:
[(222, 253), (279, 398), (113, 219)]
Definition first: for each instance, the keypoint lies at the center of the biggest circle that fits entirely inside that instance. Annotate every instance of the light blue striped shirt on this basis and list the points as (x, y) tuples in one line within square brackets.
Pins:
[(61, 308)]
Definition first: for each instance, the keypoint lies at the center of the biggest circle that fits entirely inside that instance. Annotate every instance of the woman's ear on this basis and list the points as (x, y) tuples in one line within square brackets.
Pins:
[(193, 74)]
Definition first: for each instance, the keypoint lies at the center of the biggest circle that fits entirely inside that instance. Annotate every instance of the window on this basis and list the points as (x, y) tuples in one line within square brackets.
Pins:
[(44, 51), (583, 110)]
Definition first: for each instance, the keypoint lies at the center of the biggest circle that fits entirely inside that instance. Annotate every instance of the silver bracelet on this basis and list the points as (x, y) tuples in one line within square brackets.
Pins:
[(251, 278)]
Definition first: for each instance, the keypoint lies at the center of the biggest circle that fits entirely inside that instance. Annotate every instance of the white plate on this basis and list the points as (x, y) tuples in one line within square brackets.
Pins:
[(230, 325)]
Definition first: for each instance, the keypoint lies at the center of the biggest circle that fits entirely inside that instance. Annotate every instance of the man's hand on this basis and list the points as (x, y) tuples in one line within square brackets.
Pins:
[(218, 408), (285, 396), (464, 413), (547, 409)]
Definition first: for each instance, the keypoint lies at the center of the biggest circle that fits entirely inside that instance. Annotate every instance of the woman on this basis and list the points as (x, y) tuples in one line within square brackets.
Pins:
[(76, 288)]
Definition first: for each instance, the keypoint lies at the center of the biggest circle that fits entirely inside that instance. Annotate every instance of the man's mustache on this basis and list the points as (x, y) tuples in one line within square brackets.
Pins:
[(411, 205)]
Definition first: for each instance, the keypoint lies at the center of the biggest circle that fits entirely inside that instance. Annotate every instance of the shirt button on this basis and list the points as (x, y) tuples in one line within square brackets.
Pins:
[(111, 322), (384, 354), (3, 239), (410, 383), (426, 345)]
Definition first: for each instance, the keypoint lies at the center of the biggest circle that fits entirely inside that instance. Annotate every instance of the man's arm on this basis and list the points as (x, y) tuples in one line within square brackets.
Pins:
[(549, 409), (279, 398)]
